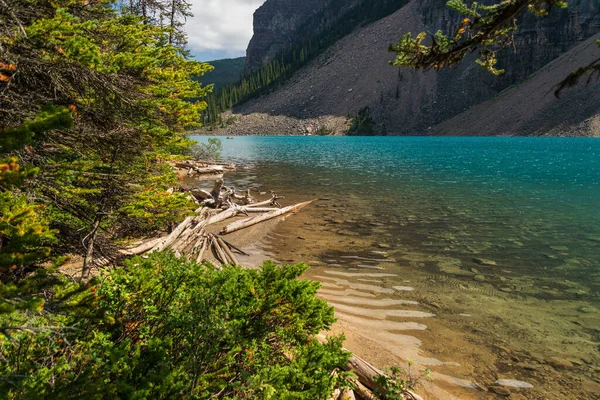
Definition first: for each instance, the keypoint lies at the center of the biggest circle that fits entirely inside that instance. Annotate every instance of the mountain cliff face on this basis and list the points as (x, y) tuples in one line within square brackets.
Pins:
[(275, 27), (354, 72)]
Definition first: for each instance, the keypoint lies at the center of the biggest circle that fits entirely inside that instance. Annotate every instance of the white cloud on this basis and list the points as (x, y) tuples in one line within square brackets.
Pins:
[(221, 26)]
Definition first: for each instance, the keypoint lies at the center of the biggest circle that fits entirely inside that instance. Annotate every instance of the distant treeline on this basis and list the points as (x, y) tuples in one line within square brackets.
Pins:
[(226, 72), (337, 20)]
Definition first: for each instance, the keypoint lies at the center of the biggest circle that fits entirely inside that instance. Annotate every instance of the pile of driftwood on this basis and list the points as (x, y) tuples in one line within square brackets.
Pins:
[(190, 239), (203, 167)]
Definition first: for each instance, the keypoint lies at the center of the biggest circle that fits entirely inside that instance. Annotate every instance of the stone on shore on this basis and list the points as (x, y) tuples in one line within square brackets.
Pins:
[(514, 383), (485, 261), (559, 248), (502, 391), (560, 363)]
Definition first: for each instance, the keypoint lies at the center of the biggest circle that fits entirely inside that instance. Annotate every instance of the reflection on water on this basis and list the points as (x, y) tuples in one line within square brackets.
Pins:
[(479, 257)]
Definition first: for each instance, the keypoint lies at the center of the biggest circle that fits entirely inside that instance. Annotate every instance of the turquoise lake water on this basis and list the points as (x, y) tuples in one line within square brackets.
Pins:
[(521, 216), (543, 190)]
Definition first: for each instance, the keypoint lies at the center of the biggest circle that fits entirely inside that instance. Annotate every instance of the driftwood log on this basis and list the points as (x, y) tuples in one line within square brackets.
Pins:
[(226, 165), (365, 384), (245, 223), (204, 167), (190, 241), (272, 202)]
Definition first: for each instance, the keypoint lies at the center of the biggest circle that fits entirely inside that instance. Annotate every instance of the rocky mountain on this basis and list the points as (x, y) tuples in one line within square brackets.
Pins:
[(276, 25), (354, 72)]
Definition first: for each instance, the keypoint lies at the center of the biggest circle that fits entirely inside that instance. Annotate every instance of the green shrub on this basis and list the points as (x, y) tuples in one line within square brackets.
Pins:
[(362, 123), (395, 383), (211, 150), (164, 328), (325, 131)]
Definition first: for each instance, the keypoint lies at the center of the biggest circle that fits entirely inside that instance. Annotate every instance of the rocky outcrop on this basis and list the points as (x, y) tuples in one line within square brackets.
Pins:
[(354, 73), (275, 27)]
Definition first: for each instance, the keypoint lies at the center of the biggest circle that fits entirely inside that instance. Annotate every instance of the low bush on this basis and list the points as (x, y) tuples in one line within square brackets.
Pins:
[(362, 123), (164, 328)]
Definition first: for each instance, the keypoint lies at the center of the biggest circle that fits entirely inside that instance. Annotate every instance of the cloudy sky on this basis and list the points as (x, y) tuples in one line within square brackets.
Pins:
[(220, 28)]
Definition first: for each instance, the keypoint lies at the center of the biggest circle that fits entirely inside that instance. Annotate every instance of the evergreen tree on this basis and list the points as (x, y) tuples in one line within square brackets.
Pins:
[(176, 12), (95, 101), (25, 234), (126, 90)]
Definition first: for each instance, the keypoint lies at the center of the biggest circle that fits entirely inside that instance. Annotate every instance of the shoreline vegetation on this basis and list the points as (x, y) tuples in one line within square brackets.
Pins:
[(95, 112), (191, 241)]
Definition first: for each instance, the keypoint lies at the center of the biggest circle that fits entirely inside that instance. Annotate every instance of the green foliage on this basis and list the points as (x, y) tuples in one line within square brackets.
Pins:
[(49, 118), (12, 173), (483, 28), (155, 206), (395, 384), (101, 100), (17, 138), (24, 233), (362, 123), (225, 72), (95, 104), (207, 151), (325, 131), (163, 328)]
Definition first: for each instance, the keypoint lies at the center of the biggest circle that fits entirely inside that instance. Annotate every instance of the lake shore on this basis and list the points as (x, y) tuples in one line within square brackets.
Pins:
[(514, 326)]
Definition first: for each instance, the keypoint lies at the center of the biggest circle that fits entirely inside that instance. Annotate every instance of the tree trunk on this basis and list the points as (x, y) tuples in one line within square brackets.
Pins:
[(174, 235), (236, 226), (366, 374), (211, 169), (85, 270), (270, 202), (144, 11), (143, 247), (235, 248), (172, 32), (219, 252), (200, 257)]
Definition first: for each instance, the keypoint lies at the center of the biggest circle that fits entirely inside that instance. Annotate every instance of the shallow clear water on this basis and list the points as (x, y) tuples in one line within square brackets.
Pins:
[(517, 217)]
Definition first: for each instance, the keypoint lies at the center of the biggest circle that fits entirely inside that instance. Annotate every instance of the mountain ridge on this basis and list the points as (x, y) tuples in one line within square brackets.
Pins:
[(226, 71)]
